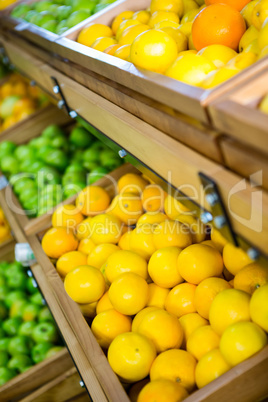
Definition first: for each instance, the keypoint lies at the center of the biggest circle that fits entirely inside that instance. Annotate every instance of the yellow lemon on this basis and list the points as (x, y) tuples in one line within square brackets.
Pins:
[(141, 241), (219, 76), (253, 47), (263, 35), (123, 52), (249, 36), (139, 317), (153, 50), (129, 34), (219, 55), (211, 366), (247, 12), (108, 324), (124, 25), (82, 230), (190, 15), (165, 389), (69, 261), (197, 228), (241, 341), (102, 43), (190, 68), (206, 292), (165, 24), (124, 242), (162, 267), (258, 307), (175, 365), (127, 207), (173, 207), (88, 310), (142, 16), (125, 15), (105, 229), (99, 254), (186, 28), (176, 6), (178, 36), (91, 32), (162, 328), (67, 216), (243, 60), (131, 183), (150, 218), (93, 200), (131, 356), (86, 246), (263, 53), (180, 300), (171, 233), (202, 341), (157, 296), (104, 303), (228, 307), (129, 293), (251, 278), (190, 322), (123, 261), (234, 258), (189, 5), (198, 262), (259, 13), (84, 284), (218, 239)]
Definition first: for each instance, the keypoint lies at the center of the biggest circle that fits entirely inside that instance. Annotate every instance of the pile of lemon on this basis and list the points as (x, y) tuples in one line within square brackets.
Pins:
[(198, 42), (5, 233), (175, 306)]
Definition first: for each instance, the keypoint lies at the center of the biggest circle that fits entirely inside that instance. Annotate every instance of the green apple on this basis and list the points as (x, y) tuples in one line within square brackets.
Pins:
[(43, 151), (96, 174), (52, 131), (9, 164), (27, 194), (24, 152), (3, 310), (98, 146), (30, 312), (25, 166), (3, 267), (13, 296), (17, 281), (81, 138), (19, 361), (39, 142), (77, 17), (75, 177), (14, 266), (90, 165), (53, 351), (41, 6), (4, 342), (11, 325), (4, 358), (17, 308), (22, 184), (60, 142), (45, 315), (4, 291), (72, 189), (7, 106), (7, 148), (31, 206), (31, 286), (48, 175), (40, 350), (20, 345), (87, 5), (27, 328), (37, 166), (2, 279), (91, 155), (6, 375), (63, 12), (50, 26), (37, 299), (53, 9), (75, 167), (77, 155), (45, 332), (20, 11), (57, 159)]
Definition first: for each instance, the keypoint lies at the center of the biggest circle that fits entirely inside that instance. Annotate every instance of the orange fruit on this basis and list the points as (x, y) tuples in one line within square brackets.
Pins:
[(123, 261), (162, 328), (237, 4), (86, 246), (198, 262), (173, 207), (67, 216), (84, 284), (228, 307), (91, 32), (88, 310), (99, 254), (175, 365), (105, 228), (180, 300), (129, 293), (123, 52), (218, 239), (211, 366), (142, 16), (160, 15), (251, 278), (206, 292), (157, 296), (111, 49), (218, 24), (82, 230), (124, 242), (125, 15), (129, 34), (104, 303), (162, 390), (153, 198), (258, 307), (201, 341), (241, 341), (151, 218), (190, 322), (176, 6), (127, 207), (131, 183), (103, 42), (131, 355), (93, 200), (108, 324), (162, 267), (171, 233), (234, 258), (70, 260), (58, 241), (139, 317), (141, 241), (153, 50)]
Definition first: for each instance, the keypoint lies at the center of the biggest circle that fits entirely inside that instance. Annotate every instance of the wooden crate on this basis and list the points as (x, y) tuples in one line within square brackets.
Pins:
[(237, 114)]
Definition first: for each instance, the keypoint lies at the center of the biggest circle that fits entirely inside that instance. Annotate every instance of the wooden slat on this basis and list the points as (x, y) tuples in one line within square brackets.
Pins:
[(7, 250)]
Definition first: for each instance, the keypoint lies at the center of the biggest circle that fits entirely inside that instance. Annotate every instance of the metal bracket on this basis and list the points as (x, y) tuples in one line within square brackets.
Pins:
[(3, 182), (219, 215), (62, 102)]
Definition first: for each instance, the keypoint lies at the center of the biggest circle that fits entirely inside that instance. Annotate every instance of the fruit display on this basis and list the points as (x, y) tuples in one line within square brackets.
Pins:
[(28, 333), (55, 166), (200, 43), (18, 100), (172, 303), (5, 233), (60, 15)]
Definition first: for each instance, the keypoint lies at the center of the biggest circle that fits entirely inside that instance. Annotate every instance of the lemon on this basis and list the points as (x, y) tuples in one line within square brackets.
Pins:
[(247, 12), (162, 267), (125, 15), (218, 239), (253, 47), (201, 341), (190, 68), (159, 16), (178, 36), (189, 16), (166, 23), (243, 60), (234, 258), (139, 317), (248, 37), (190, 322), (176, 6), (264, 103), (260, 13), (123, 261), (263, 53), (198, 229), (99, 254), (153, 50), (186, 28), (219, 76), (241, 341), (141, 241), (157, 296), (91, 32), (258, 307), (211, 366), (105, 228), (191, 43), (142, 16), (123, 52), (263, 35), (102, 43), (129, 34), (189, 5)]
